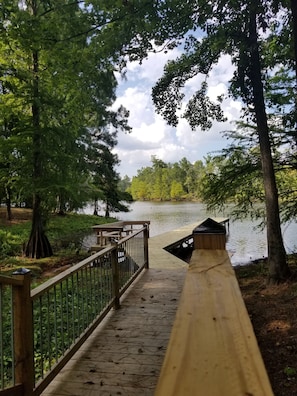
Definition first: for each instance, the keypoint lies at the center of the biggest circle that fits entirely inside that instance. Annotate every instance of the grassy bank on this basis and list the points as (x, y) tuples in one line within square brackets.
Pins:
[(64, 233)]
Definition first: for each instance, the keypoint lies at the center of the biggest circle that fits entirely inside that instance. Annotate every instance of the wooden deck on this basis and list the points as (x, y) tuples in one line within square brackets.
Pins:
[(127, 353), (124, 355)]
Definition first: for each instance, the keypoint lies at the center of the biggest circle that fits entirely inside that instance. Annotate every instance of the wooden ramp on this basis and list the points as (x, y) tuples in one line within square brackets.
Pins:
[(212, 350)]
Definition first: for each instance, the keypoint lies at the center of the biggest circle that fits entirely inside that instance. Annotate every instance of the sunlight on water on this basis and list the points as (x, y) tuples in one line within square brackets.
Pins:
[(245, 241)]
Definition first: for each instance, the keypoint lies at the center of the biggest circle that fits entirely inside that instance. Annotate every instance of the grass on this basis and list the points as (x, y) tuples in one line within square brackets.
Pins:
[(64, 233)]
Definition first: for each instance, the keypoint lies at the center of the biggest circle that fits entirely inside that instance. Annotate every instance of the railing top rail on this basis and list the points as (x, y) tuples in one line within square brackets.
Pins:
[(7, 280), (119, 224), (222, 357), (116, 224), (136, 222), (67, 273)]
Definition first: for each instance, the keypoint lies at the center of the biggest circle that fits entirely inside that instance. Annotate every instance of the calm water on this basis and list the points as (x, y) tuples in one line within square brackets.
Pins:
[(245, 241)]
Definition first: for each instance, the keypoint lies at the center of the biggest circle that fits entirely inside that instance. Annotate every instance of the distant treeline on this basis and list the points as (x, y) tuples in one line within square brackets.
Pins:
[(168, 181)]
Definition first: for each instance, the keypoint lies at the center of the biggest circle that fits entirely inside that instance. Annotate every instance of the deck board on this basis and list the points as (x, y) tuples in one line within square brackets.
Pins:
[(124, 355)]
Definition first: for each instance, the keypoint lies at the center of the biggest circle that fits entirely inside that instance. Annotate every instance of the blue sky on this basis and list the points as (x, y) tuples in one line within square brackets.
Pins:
[(151, 135)]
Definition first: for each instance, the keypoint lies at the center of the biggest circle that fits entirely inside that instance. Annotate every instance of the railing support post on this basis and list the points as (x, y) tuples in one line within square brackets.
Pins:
[(115, 275), (145, 245), (23, 332)]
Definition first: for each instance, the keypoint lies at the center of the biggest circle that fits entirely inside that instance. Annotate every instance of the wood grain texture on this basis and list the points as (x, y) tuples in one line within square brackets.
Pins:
[(212, 349)]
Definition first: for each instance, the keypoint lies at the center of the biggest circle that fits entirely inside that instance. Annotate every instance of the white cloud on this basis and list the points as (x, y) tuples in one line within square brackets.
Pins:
[(152, 68), (151, 135)]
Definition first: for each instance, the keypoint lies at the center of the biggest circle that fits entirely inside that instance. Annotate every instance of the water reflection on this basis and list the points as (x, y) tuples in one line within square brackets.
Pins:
[(245, 242)]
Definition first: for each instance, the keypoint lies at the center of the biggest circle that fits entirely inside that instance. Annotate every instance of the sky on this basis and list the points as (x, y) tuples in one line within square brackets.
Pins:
[(150, 133)]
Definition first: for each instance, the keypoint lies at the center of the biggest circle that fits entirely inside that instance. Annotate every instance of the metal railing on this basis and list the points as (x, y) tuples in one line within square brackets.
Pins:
[(42, 328)]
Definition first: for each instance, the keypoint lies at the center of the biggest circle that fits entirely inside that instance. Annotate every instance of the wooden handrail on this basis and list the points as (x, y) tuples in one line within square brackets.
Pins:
[(7, 280), (41, 289), (212, 349)]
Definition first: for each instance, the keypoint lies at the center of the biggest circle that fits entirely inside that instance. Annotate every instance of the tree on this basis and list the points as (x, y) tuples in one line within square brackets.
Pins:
[(278, 269), (234, 176), (233, 29), (108, 183), (55, 83), (57, 73), (125, 183), (176, 191), (102, 163)]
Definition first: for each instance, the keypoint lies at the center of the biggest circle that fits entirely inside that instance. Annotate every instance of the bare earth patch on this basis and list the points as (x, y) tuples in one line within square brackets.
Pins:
[(18, 215), (274, 317)]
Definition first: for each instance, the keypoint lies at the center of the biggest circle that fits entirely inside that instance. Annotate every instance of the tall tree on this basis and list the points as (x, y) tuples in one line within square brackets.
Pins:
[(278, 268), (231, 28), (56, 82)]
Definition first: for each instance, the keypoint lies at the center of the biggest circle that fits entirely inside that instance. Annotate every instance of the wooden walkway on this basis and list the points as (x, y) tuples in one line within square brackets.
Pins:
[(124, 355)]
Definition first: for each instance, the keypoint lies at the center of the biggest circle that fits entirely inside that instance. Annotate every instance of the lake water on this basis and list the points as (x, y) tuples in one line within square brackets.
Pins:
[(245, 241)]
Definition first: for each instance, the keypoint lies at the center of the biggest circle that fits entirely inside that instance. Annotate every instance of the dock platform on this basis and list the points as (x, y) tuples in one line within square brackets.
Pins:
[(133, 351)]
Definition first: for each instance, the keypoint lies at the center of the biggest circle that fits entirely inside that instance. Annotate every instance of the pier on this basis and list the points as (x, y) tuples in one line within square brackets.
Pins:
[(135, 319), (181, 330), (124, 355)]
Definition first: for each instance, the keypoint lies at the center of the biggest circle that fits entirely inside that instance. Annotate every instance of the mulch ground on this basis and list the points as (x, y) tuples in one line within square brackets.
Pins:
[(273, 313)]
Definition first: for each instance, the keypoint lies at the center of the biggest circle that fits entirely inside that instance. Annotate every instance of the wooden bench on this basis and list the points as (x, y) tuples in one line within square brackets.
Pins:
[(212, 349)]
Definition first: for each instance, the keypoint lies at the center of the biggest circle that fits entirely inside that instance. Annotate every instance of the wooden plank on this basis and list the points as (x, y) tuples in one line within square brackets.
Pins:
[(117, 225), (212, 348)]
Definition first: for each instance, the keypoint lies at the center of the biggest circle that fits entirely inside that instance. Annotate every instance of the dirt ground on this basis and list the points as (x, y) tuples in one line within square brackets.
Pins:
[(273, 313)]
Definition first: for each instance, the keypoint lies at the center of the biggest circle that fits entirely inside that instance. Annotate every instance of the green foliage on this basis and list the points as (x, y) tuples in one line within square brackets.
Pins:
[(290, 371), (62, 230), (176, 191), (239, 30), (72, 224), (63, 314), (235, 176), (164, 182), (125, 184), (6, 339), (10, 244), (57, 86)]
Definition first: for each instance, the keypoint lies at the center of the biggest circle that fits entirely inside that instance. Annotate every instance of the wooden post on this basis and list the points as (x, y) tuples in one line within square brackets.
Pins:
[(23, 332), (115, 275), (145, 243)]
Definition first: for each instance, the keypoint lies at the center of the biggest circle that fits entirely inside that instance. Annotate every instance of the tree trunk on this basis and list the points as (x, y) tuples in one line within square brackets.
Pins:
[(278, 267), (294, 29), (61, 207), (107, 212), (38, 245), (96, 208), (8, 203)]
